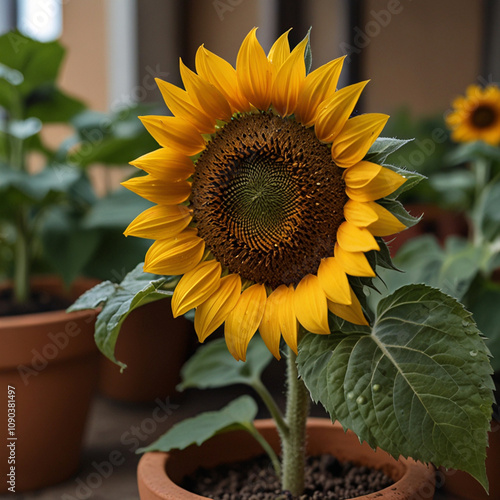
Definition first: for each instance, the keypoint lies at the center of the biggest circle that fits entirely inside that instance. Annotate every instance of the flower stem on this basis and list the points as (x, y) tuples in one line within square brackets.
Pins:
[(481, 168), (267, 448), (294, 446)]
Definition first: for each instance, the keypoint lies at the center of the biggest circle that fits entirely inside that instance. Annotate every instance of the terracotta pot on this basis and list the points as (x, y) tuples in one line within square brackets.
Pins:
[(158, 473), (50, 360), (154, 346)]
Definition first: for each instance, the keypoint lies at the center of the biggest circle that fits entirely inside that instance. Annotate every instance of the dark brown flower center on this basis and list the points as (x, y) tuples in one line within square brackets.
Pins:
[(268, 199), (483, 117)]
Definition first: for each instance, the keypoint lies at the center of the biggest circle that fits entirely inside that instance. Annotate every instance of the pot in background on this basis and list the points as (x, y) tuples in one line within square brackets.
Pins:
[(159, 473), (50, 361), (154, 346)]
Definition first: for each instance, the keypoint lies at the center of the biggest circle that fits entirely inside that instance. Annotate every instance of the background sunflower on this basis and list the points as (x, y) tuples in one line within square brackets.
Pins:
[(476, 116)]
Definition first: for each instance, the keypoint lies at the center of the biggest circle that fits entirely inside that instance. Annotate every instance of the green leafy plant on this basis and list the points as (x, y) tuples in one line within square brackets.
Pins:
[(50, 216)]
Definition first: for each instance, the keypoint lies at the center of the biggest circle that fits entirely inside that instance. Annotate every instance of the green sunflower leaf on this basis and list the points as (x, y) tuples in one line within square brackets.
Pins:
[(118, 301), (308, 52), (417, 385), (383, 147), (212, 366), (412, 179), (398, 210), (239, 414)]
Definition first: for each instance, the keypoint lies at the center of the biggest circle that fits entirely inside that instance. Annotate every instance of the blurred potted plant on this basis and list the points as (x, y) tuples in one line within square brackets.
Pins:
[(47, 240), (153, 352), (467, 267), (263, 222), (440, 213), (47, 357)]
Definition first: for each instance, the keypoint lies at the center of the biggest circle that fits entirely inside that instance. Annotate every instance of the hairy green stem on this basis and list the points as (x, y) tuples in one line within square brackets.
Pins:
[(273, 408), (294, 445), (22, 260)]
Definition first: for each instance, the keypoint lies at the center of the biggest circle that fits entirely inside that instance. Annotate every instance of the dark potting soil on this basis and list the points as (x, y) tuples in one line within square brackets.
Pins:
[(326, 479), (39, 301)]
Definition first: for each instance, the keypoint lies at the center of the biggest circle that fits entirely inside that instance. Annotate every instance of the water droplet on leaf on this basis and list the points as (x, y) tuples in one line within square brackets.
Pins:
[(350, 395), (361, 400), (376, 388)]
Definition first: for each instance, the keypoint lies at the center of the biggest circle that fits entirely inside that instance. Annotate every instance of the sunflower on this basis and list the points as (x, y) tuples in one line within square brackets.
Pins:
[(476, 116), (264, 204)]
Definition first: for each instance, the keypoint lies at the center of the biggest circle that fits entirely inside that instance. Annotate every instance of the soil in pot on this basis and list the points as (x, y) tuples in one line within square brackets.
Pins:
[(326, 479), (39, 301)]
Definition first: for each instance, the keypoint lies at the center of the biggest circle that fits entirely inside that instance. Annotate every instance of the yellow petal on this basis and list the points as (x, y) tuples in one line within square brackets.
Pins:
[(360, 214), (336, 110), (254, 72), (244, 319), (386, 223), (355, 239), (310, 305), (473, 91), (280, 51), (222, 76), (352, 313), (356, 138), (334, 282), (269, 328), (214, 311), (158, 191), (205, 95), (175, 256), (367, 181), (160, 222), (174, 132), (179, 103), (318, 86), (289, 81), (196, 286), (361, 174), (353, 263), (166, 164)]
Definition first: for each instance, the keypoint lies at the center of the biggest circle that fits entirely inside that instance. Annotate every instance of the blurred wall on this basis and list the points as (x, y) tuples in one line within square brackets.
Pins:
[(85, 71), (419, 54)]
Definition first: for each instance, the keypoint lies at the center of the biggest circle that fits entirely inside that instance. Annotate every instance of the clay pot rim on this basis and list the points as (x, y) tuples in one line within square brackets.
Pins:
[(44, 318), (151, 470)]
